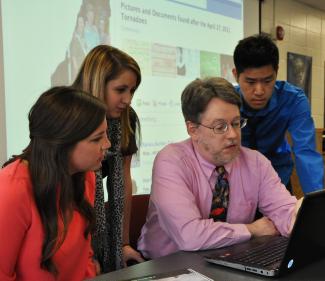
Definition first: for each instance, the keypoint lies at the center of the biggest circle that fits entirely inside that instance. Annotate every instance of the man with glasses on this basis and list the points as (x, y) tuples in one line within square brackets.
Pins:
[(206, 189), (273, 108)]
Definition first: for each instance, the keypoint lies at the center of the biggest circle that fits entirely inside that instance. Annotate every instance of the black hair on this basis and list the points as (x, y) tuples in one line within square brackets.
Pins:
[(256, 51)]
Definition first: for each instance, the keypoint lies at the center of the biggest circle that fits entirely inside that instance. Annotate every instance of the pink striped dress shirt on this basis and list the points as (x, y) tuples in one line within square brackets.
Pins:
[(181, 196)]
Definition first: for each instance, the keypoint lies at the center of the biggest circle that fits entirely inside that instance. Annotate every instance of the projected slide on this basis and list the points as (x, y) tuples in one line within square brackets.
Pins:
[(174, 42)]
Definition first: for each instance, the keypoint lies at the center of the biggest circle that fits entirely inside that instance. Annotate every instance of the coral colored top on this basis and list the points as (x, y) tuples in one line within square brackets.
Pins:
[(21, 233)]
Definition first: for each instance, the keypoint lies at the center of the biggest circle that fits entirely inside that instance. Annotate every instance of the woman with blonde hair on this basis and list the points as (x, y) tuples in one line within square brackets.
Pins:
[(113, 76)]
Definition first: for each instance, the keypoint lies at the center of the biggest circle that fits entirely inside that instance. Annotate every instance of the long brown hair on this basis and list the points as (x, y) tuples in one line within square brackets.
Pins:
[(103, 64), (60, 118)]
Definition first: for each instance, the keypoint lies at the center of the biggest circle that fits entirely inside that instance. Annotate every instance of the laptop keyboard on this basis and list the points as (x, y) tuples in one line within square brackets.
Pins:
[(264, 255)]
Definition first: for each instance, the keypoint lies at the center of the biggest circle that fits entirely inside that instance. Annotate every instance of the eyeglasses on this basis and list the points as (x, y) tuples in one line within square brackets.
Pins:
[(222, 126)]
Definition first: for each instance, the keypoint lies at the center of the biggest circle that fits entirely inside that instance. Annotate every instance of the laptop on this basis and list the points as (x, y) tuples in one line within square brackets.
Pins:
[(278, 255)]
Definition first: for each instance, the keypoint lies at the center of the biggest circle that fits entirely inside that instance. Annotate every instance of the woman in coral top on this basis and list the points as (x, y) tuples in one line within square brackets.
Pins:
[(47, 192)]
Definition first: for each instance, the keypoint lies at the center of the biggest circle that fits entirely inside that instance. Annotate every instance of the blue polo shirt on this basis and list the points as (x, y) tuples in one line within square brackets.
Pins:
[(288, 109)]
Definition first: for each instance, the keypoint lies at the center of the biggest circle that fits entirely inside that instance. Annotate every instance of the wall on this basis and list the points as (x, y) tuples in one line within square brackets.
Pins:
[(304, 34), (250, 17)]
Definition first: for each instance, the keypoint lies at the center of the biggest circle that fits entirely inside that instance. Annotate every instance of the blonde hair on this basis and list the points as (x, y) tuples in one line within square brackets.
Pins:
[(103, 64)]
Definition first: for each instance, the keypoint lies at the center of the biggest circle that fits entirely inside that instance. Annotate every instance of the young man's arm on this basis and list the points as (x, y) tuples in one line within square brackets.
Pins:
[(308, 162)]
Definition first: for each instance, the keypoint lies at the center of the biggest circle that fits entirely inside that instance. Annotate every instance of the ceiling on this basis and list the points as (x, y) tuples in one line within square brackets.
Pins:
[(318, 4)]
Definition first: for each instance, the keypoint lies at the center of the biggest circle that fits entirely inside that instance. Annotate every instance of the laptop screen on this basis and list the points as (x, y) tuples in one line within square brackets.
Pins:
[(307, 241)]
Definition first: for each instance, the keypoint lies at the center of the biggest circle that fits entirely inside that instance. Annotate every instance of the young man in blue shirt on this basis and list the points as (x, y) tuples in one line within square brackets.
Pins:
[(272, 108)]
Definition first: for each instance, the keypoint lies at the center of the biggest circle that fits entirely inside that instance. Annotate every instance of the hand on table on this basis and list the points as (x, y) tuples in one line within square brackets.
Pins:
[(130, 254), (261, 227)]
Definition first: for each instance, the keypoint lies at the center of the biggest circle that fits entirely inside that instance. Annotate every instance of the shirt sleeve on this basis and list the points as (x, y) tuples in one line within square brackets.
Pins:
[(274, 200), (309, 163), (15, 216), (173, 194)]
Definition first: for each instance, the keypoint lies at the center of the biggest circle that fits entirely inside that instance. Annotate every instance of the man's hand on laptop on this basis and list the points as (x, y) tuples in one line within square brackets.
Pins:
[(261, 227)]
